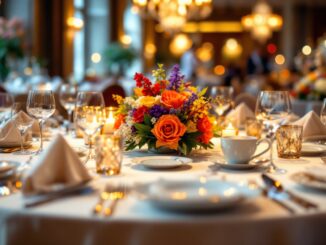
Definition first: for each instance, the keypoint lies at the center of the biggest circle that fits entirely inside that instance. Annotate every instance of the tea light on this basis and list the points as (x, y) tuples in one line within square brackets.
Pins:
[(108, 127), (230, 130)]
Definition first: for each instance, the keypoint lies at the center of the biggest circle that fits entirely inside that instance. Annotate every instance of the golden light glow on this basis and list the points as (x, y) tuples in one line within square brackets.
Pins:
[(180, 44), (279, 59), (262, 22), (75, 23), (219, 70), (205, 52), (231, 49), (213, 27), (150, 50), (96, 57), (28, 71), (202, 191), (306, 50), (125, 40), (179, 195)]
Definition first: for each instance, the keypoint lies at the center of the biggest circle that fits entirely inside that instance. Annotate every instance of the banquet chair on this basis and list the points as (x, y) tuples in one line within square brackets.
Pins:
[(2, 89), (110, 91), (246, 98)]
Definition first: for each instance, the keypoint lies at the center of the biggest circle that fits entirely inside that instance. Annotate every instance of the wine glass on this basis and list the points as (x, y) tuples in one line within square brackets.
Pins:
[(22, 122), (323, 113), (67, 96), (89, 115), (6, 102), (222, 99), (272, 108), (40, 105)]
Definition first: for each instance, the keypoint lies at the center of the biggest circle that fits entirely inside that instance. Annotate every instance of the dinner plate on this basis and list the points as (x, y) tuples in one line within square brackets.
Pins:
[(162, 162), (312, 149), (246, 166), (303, 179), (196, 195)]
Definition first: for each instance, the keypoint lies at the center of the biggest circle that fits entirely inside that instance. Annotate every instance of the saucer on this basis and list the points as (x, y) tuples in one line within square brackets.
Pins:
[(312, 149), (196, 195), (162, 162), (255, 163)]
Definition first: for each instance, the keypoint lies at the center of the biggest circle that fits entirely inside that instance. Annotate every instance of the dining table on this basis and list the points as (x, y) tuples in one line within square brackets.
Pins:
[(257, 220)]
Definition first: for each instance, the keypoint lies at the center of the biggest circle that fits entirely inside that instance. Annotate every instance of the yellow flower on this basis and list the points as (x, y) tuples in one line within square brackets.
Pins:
[(193, 89), (138, 91), (118, 99), (147, 101), (191, 127)]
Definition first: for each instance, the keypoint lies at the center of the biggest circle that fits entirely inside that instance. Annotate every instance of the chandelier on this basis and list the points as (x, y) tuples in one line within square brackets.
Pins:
[(173, 14), (262, 22)]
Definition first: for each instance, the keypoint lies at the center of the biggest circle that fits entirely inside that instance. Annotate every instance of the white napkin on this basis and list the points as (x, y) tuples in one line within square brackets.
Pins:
[(312, 126), (58, 167), (240, 114), (9, 134), (317, 171)]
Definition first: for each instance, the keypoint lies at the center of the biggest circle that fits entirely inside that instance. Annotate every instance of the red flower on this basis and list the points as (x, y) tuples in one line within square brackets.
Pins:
[(205, 127), (156, 89), (120, 119), (138, 115)]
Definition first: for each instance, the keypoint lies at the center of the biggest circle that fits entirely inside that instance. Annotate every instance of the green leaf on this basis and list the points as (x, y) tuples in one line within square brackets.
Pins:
[(203, 92), (142, 128), (147, 120)]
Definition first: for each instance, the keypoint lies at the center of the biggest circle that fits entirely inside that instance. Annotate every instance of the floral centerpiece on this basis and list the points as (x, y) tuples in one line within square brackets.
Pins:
[(167, 113), (11, 32)]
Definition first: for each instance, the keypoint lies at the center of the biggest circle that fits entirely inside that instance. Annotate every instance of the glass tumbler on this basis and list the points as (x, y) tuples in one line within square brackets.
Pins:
[(289, 141)]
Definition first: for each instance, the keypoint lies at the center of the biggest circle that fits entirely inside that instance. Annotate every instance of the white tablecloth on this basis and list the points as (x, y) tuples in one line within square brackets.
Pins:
[(259, 221)]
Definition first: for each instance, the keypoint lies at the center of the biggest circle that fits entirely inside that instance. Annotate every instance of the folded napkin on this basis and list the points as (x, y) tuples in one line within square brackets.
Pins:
[(58, 168), (240, 114), (312, 126), (9, 134)]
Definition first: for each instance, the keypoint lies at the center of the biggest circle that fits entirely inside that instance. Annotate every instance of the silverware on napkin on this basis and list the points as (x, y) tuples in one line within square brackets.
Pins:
[(274, 187)]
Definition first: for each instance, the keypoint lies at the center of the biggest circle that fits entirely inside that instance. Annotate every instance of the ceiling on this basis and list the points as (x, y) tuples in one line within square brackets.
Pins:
[(246, 3)]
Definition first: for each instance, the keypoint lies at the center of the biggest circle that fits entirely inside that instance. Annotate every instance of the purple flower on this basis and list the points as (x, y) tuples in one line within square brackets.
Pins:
[(175, 78), (174, 111), (157, 111), (190, 101)]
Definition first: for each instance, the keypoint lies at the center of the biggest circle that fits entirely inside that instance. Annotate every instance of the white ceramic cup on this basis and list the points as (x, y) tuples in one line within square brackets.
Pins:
[(241, 149)]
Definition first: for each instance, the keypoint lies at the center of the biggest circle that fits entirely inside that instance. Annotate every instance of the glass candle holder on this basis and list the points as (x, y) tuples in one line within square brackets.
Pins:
[(254, 127), (229, 129), (108, 150), (289, 141), (108, 127)]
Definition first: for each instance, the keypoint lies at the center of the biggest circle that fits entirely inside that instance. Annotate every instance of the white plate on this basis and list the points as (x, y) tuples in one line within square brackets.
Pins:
[(251, 165), (162, 162), (312, 149), (301, 179), (195, 195)]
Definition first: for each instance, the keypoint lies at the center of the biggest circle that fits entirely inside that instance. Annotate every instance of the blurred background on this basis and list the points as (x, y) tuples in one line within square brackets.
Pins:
[(97, 44)]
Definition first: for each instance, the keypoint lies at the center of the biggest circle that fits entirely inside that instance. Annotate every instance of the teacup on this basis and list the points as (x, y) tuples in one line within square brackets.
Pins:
[(241, 149)]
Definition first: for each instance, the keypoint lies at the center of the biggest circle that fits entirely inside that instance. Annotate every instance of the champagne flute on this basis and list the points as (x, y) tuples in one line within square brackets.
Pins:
[(22, 122), (272, 108), (222, 99), (323, 113), (6, 102), (67, 96), (89, 115), (40, 105)]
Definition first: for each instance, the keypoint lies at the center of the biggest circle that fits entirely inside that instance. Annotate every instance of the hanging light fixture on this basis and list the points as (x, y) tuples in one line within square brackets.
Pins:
[(173, 14), (262, 22)]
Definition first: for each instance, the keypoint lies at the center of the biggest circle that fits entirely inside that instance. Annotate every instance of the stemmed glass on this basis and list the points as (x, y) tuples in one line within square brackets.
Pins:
[(22, 124), (6, 102), (89, 114), (222, 99), (67, 95), (323, 113), (272, 108), (40, 105)]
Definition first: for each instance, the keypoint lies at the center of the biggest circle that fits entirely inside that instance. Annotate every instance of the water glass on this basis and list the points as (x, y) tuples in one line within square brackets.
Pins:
[(289, 141), (221, 99), (108, 149), (323, 113), (6, 101), (67, 96)]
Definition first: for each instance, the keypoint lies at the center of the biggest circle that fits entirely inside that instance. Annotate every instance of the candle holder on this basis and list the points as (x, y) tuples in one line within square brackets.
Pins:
[(108, 150), (289, 141), (109, 114), (229, 129), (254, 127)]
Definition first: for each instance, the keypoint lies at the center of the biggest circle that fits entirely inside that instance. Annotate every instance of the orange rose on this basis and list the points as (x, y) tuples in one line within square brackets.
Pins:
[(172, 99), (168, 130), (120, 119), (205, 127)]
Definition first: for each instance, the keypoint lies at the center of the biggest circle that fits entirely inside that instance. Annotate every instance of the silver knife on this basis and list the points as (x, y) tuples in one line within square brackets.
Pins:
[(276, 186)]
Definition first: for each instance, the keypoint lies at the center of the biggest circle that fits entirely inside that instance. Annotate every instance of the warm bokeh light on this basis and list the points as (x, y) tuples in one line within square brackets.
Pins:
[(28, 71), (180, 44), (75, 23), (150, 50), (205, 52), (271, 48), (96, 57), (231, 49), (219, 70), (306, 50), (279, 59), (126, 40)]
